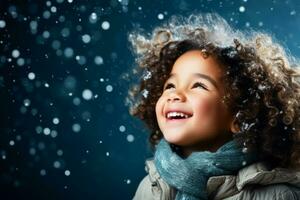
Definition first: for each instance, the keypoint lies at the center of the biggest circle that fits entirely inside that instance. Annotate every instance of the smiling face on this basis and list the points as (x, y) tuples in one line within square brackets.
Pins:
[(195, 88)]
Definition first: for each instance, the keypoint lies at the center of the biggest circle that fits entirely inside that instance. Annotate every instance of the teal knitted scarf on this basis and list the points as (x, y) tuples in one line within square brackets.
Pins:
[(190, 175)]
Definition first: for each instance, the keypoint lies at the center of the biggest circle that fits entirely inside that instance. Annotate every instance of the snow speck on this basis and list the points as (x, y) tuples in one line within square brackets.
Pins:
[(87, 94), (3, 154), (68, 52), (56, 44), (70, 82), (147, 74), (13, 11), (59, 152), (56, 164), (15, 53), (76, 127), (67, 173), (242, 9), (245, 150), (105, 25), (46, 14), (11, 143), (46, 131), (32, 151), (93, 18), (81, 60), (46, 34), (145, 93), (122, 128), (160, 16), (55, 120), (76, 101), (23, 110), (98, 60), (26, 102), (20, 61), (34, 112), (48, 3), (39, 129), (130, 138), (53, 9), (31, 76), (33, 26), (53, 133), (2, 24), (43, 172), (293, 12), (109, 88), (65, 32), (86, 38), (62, 18)]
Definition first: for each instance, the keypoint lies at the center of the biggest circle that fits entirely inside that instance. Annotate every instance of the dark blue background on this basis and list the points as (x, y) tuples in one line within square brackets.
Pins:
[(104, 159)]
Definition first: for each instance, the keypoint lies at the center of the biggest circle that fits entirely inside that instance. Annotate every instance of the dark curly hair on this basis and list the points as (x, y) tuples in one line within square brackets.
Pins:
[(261, 81)]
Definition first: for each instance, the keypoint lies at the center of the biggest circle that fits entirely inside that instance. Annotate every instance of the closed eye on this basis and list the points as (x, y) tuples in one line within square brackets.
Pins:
[(199, 84), (170, 85)]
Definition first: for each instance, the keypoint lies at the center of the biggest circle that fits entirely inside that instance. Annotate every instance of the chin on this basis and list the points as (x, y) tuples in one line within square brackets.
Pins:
[(174, 140)]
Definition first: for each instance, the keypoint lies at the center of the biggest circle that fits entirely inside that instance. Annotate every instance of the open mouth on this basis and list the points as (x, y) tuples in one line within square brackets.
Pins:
[(177, 116)]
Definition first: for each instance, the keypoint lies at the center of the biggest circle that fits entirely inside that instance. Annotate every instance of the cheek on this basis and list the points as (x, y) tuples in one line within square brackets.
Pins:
[(206, 108), (158, 107)]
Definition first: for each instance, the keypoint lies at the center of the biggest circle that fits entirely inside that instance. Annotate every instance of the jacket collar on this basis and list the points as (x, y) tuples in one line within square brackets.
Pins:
[(151, 169), (256, 173)]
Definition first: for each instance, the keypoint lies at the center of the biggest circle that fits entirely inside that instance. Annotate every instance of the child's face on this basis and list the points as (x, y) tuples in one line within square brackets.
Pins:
[(200, 98)]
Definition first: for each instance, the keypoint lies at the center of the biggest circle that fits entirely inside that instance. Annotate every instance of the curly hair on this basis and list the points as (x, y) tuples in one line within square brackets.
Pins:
[(261, 81)]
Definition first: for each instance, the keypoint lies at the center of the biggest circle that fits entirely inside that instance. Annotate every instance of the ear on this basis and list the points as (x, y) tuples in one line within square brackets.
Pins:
[(234, 128)]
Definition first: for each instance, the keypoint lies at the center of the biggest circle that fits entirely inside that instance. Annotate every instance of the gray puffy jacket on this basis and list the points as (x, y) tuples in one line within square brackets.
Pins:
[(253, 182)]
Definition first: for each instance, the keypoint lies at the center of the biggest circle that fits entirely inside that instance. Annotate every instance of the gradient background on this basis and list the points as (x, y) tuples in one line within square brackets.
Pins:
[(65, 130)]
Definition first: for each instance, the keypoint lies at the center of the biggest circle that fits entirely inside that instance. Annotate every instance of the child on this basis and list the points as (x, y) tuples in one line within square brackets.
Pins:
[(222, 107)]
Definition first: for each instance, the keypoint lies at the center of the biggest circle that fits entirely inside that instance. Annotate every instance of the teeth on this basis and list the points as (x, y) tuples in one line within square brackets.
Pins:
[(173, 114)]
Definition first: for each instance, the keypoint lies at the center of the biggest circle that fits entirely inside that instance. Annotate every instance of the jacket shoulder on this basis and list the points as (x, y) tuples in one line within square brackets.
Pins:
[(153, 187), (262, 192)]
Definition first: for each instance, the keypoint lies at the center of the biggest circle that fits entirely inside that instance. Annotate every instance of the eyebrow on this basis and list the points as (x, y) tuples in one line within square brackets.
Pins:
[(211, 80)]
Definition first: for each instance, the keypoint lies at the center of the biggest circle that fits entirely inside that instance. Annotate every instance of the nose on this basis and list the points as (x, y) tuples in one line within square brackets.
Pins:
[(176, 96)]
